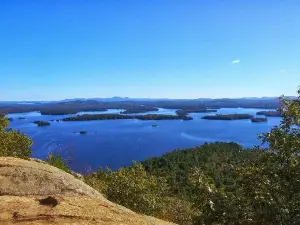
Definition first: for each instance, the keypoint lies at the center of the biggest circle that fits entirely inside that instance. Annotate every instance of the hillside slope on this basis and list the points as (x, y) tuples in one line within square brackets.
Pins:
[(36, 193)]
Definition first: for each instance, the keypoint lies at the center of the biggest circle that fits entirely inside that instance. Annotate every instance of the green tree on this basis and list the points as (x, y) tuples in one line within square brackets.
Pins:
[(266, 191), (12, 142), (3, 122)]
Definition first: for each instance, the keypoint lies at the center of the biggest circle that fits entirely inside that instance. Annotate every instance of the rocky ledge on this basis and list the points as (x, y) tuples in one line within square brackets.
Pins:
[(32, 192)]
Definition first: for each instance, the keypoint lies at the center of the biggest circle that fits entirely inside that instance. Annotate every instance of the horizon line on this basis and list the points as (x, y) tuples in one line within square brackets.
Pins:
[(141, 98)]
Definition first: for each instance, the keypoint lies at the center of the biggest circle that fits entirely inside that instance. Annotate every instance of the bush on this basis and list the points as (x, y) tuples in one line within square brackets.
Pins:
[(13, 143), (132, 187), (141, 192), (57, 161)]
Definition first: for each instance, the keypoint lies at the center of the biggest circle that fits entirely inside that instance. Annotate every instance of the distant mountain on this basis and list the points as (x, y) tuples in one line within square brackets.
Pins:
[(259, 98), (128, 99), (115, 99)]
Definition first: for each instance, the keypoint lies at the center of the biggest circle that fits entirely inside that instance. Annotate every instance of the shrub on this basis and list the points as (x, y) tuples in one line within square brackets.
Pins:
[(57, 161), (12, 142)]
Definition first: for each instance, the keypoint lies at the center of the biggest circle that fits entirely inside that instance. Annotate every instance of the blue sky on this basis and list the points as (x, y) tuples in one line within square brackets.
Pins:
[(57, 49)]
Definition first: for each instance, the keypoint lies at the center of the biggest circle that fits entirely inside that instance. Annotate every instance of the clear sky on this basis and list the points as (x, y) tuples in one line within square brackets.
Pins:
[(57, 49)]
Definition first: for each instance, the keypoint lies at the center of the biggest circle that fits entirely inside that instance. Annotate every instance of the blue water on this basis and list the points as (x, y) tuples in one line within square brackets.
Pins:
[(116, 143)]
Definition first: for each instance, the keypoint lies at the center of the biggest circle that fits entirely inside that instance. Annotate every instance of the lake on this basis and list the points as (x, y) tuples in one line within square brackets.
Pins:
[(116, 143)]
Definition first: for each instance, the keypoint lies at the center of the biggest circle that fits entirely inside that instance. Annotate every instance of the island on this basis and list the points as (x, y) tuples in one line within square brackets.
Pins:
[(83, 132), (87, 117), (143, 109), (228, 117), (41, 123), (269, 113), (21, 118), (162, 117), (259, 120), (185, 112)]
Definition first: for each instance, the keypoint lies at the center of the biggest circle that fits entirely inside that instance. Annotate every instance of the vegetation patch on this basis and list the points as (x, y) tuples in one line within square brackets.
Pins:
[(13, 143), (41, 123), (259, 120), (57, 161), (185, 112)]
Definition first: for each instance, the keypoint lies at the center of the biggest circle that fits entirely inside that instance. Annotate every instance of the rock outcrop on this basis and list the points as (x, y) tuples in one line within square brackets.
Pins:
[(36, 193)]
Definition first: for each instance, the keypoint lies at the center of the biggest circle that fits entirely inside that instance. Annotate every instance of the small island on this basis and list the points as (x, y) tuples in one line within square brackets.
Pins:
[(228, 117), (185, 112), (162, 117), (259, 120), (80, 132), (139, 110), (154, 125), (21, 118), (88, 117), (269, 113), (41, 123)]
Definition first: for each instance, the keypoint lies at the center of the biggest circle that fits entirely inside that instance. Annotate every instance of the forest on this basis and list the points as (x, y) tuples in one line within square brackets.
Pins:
[(217, 183)]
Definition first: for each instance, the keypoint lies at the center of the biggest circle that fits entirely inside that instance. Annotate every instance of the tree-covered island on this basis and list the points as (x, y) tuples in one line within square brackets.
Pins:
[(41, 123), (185, 112), (269, 113), (259, 120), (87, 117), (140, 109), (228, 117)]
